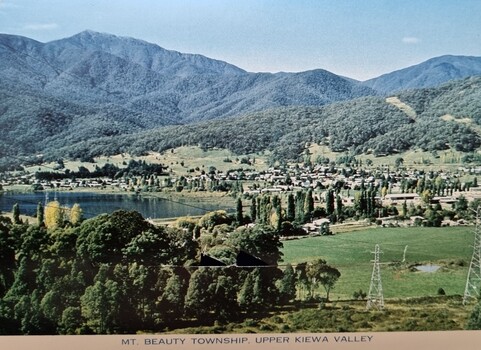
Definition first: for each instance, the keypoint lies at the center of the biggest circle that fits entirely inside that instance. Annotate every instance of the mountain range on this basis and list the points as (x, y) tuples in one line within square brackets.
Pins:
[(93, 86), (431, 73)]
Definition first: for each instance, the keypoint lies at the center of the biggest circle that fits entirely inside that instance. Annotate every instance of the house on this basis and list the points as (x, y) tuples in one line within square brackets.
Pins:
[(399, 198), (319, 226)]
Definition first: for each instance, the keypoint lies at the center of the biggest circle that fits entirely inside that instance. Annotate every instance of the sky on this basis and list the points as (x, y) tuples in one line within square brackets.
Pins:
[(360, 39)]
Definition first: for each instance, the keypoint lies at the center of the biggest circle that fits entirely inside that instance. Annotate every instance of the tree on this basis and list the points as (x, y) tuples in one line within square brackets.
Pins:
[(100, 303), (258, 290), (287, 285), (291, 208), (211, 219), (198, 299), (172, 299), (330, 202), (303, 282), (16, 214), (239, 215), (474, 320), (276, 216), (308, 205), (339, 206), (7, 256), (262, 241), (253, 210), (225, 296), (40, 214), (141, 294), (319, 272), (462, 204), (247, 302), (404, 209), (360, 203), (71, 320), (75, 214), (28, 311), (426, 196), (54, 215), (105, 238), (265, 210), (300, 215), (149, 247), (398, 162)]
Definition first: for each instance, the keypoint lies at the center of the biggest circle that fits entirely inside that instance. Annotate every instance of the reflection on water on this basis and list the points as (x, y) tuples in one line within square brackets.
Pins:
[(94, 204)]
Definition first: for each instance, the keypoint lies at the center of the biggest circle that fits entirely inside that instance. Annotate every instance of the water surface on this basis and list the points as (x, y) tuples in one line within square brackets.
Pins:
[(94, 204)]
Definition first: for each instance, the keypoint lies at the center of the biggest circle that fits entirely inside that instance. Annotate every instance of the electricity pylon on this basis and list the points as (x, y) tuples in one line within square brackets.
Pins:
[(375, 298), (473, 282)]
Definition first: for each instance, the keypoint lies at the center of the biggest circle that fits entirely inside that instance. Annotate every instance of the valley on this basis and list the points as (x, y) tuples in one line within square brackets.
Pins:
[(295, 178)]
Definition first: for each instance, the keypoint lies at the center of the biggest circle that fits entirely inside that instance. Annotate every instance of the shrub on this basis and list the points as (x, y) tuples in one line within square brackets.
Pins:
[(359, 295)]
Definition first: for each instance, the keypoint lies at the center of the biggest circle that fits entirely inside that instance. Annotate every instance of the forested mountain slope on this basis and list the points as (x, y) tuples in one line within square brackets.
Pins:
[(430, 73), (92, 85), (94, 94), (445, 117)]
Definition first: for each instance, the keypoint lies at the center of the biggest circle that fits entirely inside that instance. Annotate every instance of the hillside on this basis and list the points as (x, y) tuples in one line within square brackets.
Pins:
[(430, 73), (167, 87), (365, 125), (95, 94)]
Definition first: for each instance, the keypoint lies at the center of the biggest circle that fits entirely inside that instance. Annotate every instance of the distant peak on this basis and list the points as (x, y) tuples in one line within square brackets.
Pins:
[(92, 33)]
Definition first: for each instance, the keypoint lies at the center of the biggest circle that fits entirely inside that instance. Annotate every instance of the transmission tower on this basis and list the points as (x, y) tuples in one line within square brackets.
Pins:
[(473, 282), (375, 298)]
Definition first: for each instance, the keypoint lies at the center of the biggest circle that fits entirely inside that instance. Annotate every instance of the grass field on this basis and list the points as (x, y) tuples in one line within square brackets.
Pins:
[(351, 254), (180, 160)]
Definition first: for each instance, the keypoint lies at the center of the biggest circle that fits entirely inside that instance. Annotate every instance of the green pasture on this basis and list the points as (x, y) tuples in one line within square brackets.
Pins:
[(351, 254)]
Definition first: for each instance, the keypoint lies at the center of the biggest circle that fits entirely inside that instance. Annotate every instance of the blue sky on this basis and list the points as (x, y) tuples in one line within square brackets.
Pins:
[(360, 39)]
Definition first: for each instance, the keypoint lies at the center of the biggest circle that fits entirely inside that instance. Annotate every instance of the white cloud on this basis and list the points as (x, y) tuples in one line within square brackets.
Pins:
[(40, 26), (411, 40)]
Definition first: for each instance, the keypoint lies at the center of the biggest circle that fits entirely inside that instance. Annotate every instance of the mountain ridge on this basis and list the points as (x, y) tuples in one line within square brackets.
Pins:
[(95, 86), (430, 73), (97, 69)]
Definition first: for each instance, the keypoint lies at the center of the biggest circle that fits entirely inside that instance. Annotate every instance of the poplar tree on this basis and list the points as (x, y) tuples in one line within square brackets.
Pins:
[(75, 214), (330, 202), (16, 214), (299, 207), (53, 215), (308, 205), (253, 210), (239, 214), (259, 206), (276, 217), (40, 214), (339, 206), (291, 208)]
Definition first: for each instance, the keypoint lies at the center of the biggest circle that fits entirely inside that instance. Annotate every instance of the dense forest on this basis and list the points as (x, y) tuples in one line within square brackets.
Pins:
[(118, 273), (438, 119), (442, 118)]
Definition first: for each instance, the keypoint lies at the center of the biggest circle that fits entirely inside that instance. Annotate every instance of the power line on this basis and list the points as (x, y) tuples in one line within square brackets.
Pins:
[(92, 214), (375, 298), (473, 281)]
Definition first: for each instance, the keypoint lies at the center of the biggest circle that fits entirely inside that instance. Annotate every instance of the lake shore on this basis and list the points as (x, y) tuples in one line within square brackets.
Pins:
[(193, 199)]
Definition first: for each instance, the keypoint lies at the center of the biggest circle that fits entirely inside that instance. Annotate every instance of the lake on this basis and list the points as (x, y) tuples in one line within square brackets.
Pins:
[(94, 204)]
